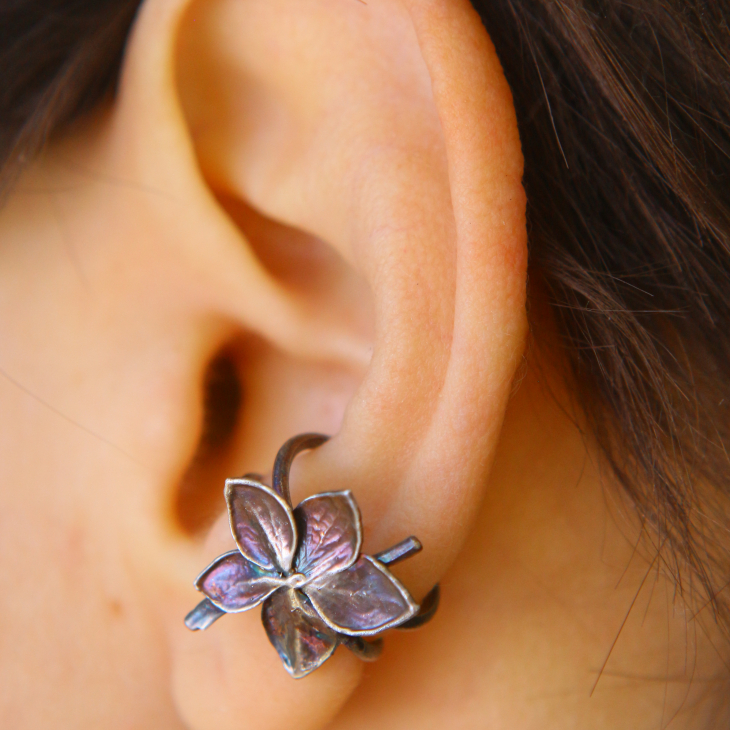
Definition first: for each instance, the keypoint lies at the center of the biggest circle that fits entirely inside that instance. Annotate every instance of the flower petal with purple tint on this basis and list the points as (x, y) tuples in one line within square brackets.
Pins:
[(235, 584), (363, 600), (330, 533), (262, 524), (301, 638)]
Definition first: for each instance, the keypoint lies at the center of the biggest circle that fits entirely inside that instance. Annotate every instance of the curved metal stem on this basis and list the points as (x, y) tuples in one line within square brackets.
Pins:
[(285, 457), (429, 606), (368, 651), (404, 549)]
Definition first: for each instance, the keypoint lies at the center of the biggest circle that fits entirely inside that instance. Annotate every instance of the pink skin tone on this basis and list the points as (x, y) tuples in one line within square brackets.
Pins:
[(329, 191)]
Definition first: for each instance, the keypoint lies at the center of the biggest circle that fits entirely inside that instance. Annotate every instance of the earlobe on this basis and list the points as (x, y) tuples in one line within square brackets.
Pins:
[(387, 131)]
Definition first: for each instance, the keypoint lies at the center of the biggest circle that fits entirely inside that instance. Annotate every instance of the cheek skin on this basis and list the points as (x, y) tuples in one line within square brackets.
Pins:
[(78, 642)]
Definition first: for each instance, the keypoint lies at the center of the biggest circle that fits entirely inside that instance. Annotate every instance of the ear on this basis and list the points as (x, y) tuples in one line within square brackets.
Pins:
[(348, 211)]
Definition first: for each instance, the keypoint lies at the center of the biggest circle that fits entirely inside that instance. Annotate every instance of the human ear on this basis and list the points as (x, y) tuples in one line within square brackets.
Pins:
[(272, 134)]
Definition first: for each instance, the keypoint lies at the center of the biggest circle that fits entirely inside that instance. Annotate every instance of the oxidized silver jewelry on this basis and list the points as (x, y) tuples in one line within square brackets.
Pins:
[(304, 565)]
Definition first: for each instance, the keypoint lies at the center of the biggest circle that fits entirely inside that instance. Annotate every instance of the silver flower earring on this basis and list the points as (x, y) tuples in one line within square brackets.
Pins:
[(304, 565)]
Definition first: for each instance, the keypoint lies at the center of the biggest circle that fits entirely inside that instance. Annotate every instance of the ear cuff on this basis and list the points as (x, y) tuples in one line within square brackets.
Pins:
[(304, 567)]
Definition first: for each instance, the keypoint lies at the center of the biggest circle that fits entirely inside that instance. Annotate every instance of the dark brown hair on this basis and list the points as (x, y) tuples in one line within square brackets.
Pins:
[(624, 112)]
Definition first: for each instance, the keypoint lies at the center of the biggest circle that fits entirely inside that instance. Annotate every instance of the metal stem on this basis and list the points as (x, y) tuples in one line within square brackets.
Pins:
[(203, 615), (368, 651), (429, 606), (404, 549), (285, 457)]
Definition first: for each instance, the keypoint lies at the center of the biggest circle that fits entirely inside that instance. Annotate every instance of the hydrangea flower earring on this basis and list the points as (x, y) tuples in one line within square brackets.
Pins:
[(304, 567)]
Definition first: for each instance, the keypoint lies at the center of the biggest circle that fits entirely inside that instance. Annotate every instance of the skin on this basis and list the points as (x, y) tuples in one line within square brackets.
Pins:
[(315, 189)]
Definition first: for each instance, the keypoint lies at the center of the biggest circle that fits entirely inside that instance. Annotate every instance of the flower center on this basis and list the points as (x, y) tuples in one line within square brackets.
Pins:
[(297, 580)]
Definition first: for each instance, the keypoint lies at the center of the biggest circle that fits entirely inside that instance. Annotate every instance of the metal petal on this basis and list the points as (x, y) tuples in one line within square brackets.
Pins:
[(362, 600), (303, 641), (331, 533), (235, 584), (262, 524)]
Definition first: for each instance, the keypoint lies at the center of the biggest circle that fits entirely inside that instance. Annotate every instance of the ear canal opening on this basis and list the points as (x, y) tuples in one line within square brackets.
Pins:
[(223, 397), (199, 494)]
